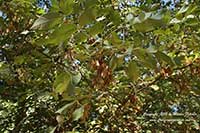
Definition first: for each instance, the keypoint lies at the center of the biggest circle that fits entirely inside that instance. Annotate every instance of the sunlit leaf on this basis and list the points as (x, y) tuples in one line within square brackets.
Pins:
[(148, 21), (76, 78), (148, 25), (87, 17), (182, 10), (78, 113), (62, 82), (145, 58), (66, 6), (61, 34), (116, 61), (4, 70), (133, 71), (113, 62), (155, 87), (53, 130), (47, 21), (164, 57), (64, 108), (114, 39), (96, 28), (60, 119)]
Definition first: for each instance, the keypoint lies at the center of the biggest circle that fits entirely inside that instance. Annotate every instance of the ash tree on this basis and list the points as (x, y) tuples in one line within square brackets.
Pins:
[(99, 66)]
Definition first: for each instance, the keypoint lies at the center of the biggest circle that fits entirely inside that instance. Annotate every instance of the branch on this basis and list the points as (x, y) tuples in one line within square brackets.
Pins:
[(143, 86)]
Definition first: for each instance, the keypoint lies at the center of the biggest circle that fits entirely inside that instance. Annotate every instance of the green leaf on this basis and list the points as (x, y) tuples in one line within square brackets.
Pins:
[(61, 34), (40, 71), (54, 5), (145, 58), (39, 22), (47, 21), (143, 16), (175, 21), (80, 37), (66, 6), (133, 71), (78, 113), (183, 10), (96, 29), (77, 8), (41, 11), (115, 17), (62, 82), (164, 57), (186, 10), (91, 3), (19, 60), (60, 119), (2, 24), (192, 9), (53, 130), (143, 27), (157, 15), (148, 25), (64, 108), (116, 61), (179, 60), (114, 39), (76, 78), (82, 57), (4, 70), (191, 20), (113, 63), (88, 16), (148, 21)]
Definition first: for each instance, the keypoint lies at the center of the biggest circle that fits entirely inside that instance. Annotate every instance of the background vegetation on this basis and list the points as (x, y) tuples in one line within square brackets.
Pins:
[(99, 66)]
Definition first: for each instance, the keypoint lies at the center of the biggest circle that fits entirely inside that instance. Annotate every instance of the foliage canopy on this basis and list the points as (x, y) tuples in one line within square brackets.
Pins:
[(99, 66)]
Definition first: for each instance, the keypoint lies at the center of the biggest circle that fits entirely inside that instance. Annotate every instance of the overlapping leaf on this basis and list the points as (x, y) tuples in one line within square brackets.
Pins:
[(145, 58), (133, 71), (62, 82), (61, 34), (47, 21)]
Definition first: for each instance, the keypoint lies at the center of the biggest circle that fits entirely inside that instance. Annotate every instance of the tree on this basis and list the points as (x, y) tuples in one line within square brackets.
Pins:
[(99, 66)]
